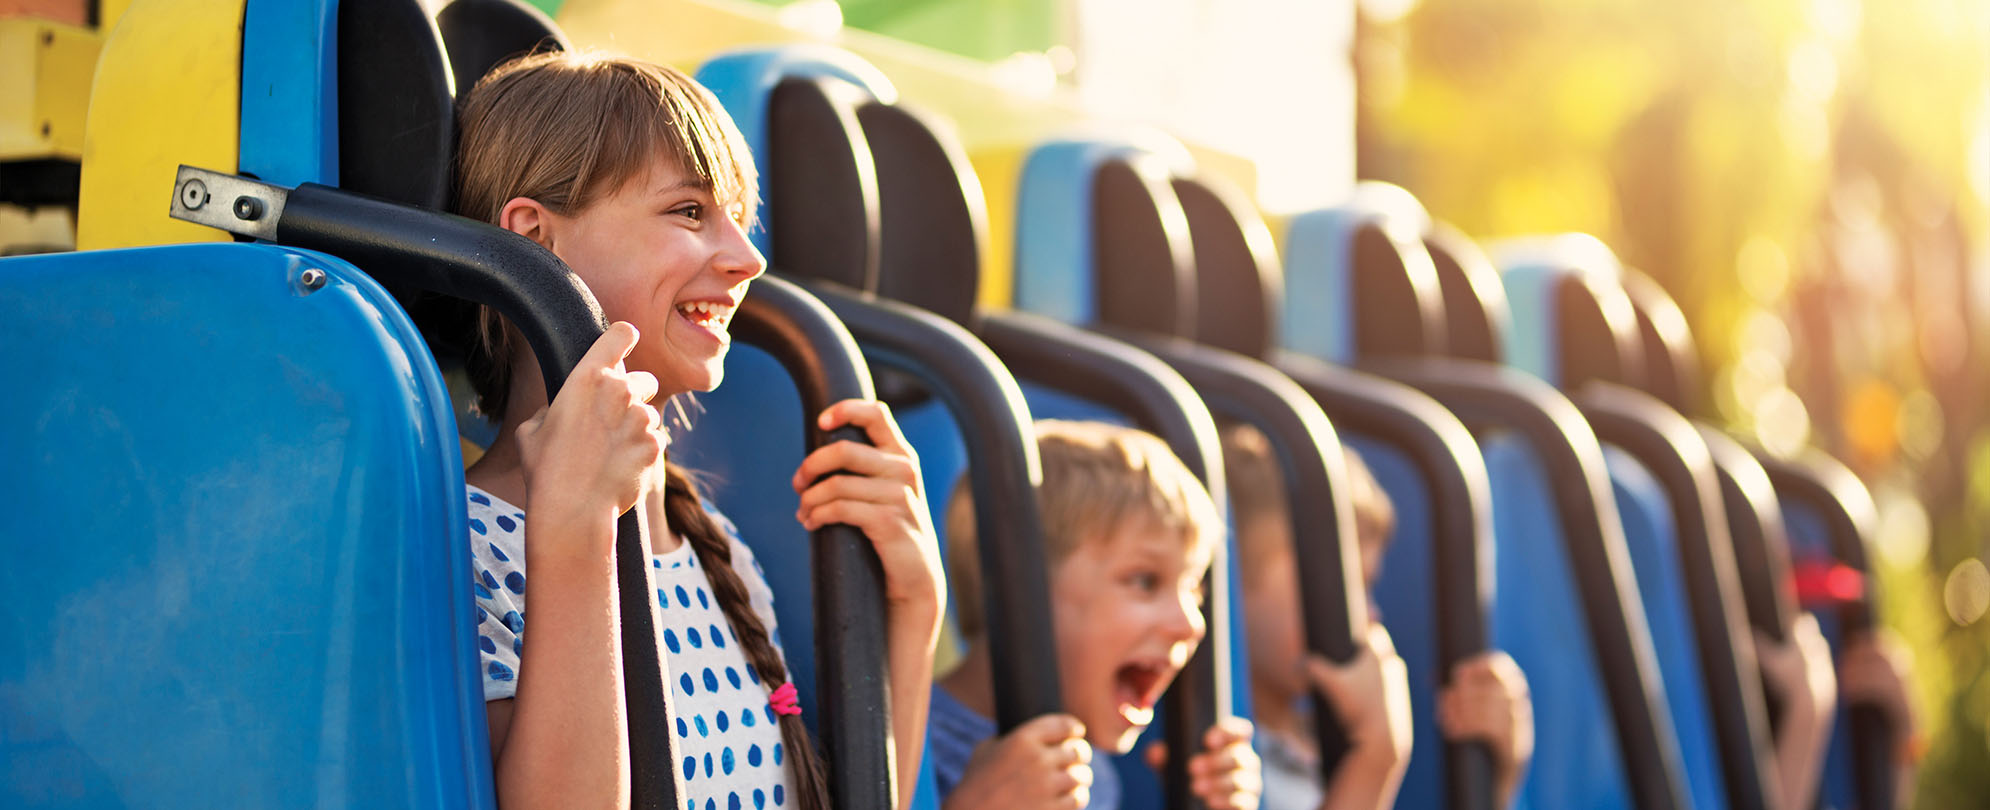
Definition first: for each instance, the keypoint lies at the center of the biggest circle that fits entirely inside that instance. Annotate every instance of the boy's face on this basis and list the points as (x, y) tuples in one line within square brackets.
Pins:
[(1272, 610), (1128, 609)]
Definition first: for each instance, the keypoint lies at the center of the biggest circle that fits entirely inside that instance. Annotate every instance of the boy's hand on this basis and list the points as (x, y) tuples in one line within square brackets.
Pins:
[(1487, 701), (1872, 670), (1798, 673), (1227, 774), (1045, 764), (1371, 696), (881, 494), (595, 446)]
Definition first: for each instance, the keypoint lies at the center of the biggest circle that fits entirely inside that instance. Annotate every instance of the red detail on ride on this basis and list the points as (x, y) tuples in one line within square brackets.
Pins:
[(1827, 584)]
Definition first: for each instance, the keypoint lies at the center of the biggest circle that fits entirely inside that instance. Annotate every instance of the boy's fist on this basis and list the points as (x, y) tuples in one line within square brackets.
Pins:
[(1045, 764)]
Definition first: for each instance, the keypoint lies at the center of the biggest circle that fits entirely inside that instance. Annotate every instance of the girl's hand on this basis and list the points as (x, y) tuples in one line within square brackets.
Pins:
[(879, 492), (1042, 765), (591, 451), (1487, 701)]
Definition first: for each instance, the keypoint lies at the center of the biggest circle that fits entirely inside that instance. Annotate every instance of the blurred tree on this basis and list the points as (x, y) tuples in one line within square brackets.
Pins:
[(1798, 173)]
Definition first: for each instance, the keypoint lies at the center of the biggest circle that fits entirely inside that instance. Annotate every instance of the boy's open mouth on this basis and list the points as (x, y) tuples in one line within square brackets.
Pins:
[(709, 314), (1137, 686)]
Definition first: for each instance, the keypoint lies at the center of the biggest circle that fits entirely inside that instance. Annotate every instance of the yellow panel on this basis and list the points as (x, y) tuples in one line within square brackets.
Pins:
[(1000, 169), (44, 88), (167, 92)]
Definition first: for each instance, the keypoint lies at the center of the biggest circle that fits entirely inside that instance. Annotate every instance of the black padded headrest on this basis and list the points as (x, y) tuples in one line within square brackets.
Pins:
[(482, 34), (930, 237), (1398, 308), (1671, 365), (1143, 261), (1598, 333), (397, 124), (1238, 284), (1475, 311), (821, 187)]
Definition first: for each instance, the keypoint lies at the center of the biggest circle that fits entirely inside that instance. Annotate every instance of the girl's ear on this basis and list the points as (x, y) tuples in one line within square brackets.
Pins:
[(526, 217)]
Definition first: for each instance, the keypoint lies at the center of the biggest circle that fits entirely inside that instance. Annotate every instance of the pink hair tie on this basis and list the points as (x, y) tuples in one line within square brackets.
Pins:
[(784, 700)]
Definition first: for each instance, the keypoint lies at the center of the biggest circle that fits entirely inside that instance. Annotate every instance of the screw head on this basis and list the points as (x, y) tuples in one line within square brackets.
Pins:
[(312, 279), (248, 209), (193, 195)]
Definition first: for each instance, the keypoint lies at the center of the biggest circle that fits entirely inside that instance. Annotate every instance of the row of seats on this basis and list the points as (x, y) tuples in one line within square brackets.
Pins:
[(275, 575)]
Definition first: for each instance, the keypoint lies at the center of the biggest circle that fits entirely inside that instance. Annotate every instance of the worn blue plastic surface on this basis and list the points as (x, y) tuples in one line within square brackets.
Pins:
[(1539, 619), (1403, 592), (290, 99), (1319, 318), (1653, 540), (237, 571), (1810, 541)]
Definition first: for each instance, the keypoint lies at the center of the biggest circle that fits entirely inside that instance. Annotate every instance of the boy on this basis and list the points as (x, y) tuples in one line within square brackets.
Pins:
[(1131, 533), (1486, 699)]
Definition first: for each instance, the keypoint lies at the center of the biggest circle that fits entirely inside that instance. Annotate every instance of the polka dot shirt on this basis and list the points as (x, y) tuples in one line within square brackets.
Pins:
[(724, 733)]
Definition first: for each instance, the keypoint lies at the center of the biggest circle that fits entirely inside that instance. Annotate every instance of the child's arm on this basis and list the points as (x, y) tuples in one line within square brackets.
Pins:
[(1798, 672), (562, 741), (1487, 701), (1041, 765), (1371, 696), (882, 495)]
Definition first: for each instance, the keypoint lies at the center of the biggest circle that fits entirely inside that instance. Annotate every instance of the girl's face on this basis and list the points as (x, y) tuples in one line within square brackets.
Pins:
[(661, 253)]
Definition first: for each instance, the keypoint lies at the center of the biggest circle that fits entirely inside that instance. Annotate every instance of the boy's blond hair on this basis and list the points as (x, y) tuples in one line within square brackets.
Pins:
[(1257, 493), (1096, 477)]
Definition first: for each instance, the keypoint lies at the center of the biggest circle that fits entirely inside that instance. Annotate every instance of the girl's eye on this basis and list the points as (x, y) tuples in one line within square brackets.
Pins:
[(692, 211)]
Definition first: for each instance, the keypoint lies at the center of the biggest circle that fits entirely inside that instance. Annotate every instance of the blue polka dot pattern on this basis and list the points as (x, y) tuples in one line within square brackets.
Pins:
[(731, 755), (777, 753), (478, 526)]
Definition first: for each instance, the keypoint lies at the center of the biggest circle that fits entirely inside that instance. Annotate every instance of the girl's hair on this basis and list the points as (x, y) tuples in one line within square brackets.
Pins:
[(566, 129)]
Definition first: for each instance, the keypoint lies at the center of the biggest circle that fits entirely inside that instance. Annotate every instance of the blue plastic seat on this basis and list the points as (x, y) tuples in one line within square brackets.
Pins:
[(1353, 273), (1575, 326), (236, 540)]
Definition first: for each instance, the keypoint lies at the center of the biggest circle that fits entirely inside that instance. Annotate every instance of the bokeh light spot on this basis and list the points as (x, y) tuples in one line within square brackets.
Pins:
[(1966, 594)]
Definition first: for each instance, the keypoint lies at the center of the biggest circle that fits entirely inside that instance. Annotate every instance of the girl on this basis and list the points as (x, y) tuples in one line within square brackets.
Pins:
[(632, 174)]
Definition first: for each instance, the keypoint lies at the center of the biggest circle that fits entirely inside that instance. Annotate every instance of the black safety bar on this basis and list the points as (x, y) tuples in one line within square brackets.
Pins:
[(1670, 447), (1488, 398), (1159, 401), (1003, 473), (456, 257), (1448, 460), (1831, 491), (560, 319), (1313, 468)]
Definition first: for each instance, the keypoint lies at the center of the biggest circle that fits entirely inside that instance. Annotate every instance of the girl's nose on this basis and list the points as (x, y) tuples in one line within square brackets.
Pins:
[(737, 257)]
